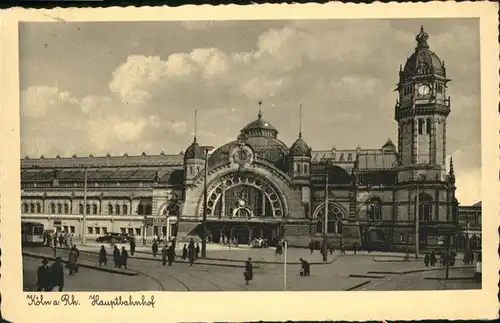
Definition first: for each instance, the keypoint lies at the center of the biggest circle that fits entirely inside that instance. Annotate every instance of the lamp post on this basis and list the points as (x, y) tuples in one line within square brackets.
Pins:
[(206, 149), (84, 222), (417, 220), (325, 218)]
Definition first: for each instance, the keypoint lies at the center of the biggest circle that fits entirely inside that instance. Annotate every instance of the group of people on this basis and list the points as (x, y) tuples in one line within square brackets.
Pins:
[(330, 248), (258, 243), (227, 241), (50, 277), (61, 239)]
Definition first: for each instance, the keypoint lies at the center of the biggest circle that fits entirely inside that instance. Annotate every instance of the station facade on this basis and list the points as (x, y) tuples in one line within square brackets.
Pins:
[(257, 186)]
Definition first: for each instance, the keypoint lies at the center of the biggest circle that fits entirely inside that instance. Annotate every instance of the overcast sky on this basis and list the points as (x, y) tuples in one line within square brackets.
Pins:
[(132, 87)]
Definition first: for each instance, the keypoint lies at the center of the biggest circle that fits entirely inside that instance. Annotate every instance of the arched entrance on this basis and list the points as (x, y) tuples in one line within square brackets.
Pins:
[(243, 206)]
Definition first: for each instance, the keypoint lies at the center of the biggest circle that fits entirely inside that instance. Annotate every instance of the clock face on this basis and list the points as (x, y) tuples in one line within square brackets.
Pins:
[(424, 89), (241, 203)]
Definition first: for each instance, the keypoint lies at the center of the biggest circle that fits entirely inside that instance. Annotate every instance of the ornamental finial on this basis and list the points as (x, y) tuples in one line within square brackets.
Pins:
[(422, 38)]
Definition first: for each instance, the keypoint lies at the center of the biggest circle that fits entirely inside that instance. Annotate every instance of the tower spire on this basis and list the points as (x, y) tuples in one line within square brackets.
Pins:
[(300, 121), (195, 124), (451, 173), (260, 109), (422, 38)]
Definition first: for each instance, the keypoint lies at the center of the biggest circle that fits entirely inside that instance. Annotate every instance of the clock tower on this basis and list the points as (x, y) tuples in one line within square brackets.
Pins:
[(421, 113)]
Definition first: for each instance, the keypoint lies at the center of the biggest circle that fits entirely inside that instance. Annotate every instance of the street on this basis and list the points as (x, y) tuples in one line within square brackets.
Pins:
[(372, 273)]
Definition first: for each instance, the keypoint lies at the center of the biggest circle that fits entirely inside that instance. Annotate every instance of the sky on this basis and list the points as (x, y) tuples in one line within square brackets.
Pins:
[(99, 87)]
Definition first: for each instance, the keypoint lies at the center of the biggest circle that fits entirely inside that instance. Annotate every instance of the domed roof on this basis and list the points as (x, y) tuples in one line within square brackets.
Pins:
[(271, 149), (423, 61), (300, 148), (260, 128), (194, 151)]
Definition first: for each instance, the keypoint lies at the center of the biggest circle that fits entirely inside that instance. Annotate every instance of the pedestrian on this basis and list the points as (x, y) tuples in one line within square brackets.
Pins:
[(132, 245), (116, 256), (123, 258), (279, 249), (248, 274), (355, 248), (57, 275), (331, 248), (164, 252), (154, 248), (184, 252), (342, 249), (197, 249), (311, 246), (305, 268), (43, 277), (427, 259), (432, 258), (72, 260), (171, 255), (103, 256), (191, 251)]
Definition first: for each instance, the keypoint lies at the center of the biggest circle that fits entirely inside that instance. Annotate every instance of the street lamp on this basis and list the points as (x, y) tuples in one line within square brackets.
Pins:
[(84, 222), (206, 149), (325, 218), (417, 220)]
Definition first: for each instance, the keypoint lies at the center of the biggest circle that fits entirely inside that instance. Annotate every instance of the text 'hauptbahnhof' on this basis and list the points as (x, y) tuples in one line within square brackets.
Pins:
[(257, 186)]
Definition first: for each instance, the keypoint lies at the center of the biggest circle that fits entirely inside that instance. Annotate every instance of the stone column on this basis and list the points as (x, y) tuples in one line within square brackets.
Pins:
[(263, 203)]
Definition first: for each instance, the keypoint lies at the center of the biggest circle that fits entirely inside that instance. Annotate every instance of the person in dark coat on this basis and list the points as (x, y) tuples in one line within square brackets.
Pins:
[(123, 258), (116, 256), (154, 248), (355, 248), (43, 277), (197, 249), (72, 260), (164, 253), (132, 246), (57, 274), (248, 274), (427, 259), (311, 247), (184, 252), (331, 248), (103, 256), (305, 268), (171, 255), (191, 252), (433, 259), (342, 249)]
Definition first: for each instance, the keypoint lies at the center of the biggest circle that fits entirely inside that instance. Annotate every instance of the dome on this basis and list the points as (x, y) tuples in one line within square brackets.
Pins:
[(260, 128), (300, 148), (389, 146), (423, 61), (271, 149), (194, 151)]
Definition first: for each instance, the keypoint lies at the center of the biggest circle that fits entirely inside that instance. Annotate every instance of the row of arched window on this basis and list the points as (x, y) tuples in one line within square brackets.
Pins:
[(63, 208)]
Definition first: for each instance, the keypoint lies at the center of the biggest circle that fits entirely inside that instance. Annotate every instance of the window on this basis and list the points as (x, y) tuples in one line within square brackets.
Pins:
[(110, 209), (335, 216), (94, 208), (90, 230), (32, 207), (97, 230), (306, 168), (72, 229), (131, 231), (137, 231), (66, 208), (140, 209), (421, 126), (374, 209), (123, 230), (59, 209), (80, 208), (155, 231), (52, 208), (429, 124), (66, 229), (117, 209), (148, 209), (87, 208), (125, 210), (425, 208), (104, 230), (38, 208), (26, 208)]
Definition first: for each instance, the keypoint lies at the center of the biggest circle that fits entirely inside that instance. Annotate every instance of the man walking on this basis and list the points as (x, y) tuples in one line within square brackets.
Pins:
[(43, 277)]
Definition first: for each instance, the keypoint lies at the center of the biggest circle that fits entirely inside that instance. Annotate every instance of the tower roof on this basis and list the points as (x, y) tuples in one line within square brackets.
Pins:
[(423, 61), (194, 151), (260, 127), (300, 148)]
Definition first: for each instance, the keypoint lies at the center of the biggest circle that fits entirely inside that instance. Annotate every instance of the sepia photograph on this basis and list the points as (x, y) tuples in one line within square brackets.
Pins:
[(251, 155)]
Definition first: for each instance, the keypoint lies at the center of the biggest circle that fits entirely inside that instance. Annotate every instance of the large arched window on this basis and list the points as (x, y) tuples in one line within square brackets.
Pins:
[(59, 208), (335, 216), (117, 209), (374, 209), (80, 208), (149, 210), (94, 208), (52, 208), (38, 208), (66, 208), (32, 208), (125, 209), (26, 208), (140, 209), (87, 209), (425, 207), (110, 209)]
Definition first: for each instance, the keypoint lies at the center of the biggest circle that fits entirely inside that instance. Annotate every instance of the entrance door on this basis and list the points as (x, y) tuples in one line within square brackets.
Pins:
[(241, 233)]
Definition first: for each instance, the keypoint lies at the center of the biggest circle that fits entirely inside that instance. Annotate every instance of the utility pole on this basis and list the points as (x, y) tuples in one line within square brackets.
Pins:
[(325, 218), (206, 149), (417, 220), (285, 245), (447, 258), (84, 222)]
